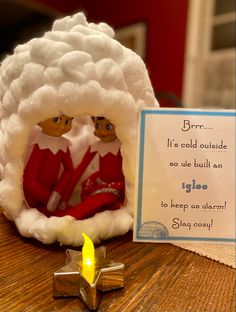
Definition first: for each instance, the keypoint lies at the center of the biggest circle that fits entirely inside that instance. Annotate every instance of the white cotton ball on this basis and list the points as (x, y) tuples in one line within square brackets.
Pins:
[(11, 184), (3, 123), (119, 106), (3, 87), (25, 219), (13, 173), (44, 51), (1, 169), (69, 230), (31, 223), (79, 18), (41, 105), (12, 67), (115, 219), (116, 51), (82, 99), (97, 46), (22, 48), (78, 66), (104, 28), (8, 102), (2, 149), (16, 131), (16, 90), (100, 47), (67, 23), (110, 75), (74, 39), (31, 78), (136, 77), (53, 76), (63, 24)]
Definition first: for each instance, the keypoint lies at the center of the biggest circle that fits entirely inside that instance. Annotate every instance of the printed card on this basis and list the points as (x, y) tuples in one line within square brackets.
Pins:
[(185, 188)]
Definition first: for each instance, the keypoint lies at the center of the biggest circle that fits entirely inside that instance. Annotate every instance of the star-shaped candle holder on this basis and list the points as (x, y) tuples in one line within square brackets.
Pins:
[(86, 279)]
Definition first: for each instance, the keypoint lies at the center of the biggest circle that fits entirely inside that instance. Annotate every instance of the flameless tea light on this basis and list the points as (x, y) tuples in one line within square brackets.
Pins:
[(88, 273)]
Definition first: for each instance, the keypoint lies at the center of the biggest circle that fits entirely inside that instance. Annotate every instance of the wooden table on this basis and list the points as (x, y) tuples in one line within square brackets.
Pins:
[(158, 277)]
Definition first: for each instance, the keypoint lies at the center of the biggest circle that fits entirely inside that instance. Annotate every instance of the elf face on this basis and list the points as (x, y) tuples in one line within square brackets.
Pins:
[(56, 126), (104, 129)]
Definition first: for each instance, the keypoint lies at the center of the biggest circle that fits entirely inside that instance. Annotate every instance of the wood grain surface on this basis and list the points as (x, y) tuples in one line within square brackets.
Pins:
[(158, 277)]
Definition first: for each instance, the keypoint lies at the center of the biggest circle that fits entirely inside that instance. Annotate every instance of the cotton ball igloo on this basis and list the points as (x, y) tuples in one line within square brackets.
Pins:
[(79, 69)]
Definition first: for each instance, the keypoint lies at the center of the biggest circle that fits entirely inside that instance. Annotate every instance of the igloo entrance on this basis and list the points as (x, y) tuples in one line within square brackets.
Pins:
[(51, 172)]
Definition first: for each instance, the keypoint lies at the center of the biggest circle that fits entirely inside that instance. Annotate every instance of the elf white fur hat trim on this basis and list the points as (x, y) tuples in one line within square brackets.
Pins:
[(78, 69)]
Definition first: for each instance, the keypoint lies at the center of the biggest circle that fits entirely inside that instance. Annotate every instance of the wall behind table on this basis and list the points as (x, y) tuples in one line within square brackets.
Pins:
[(166, 33)]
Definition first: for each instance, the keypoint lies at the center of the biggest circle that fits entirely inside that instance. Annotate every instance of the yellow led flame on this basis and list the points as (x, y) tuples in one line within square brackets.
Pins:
[(87, 251), (88, 259)]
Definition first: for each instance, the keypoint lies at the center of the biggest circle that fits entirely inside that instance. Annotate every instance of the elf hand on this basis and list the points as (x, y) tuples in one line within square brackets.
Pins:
[(62, 205), (53, 201)]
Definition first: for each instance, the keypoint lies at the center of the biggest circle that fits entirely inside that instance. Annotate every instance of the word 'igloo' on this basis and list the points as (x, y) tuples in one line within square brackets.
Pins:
[(79, 69)]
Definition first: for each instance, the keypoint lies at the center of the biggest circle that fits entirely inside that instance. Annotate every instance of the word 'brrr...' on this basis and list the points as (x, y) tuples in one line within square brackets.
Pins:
[(187, 125)]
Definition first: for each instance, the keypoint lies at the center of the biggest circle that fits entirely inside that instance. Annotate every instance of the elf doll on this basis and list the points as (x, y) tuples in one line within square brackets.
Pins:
[(49, 168), (103, 190)]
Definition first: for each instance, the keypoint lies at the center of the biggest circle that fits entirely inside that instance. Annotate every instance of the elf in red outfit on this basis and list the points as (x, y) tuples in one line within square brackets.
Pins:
[(45, 186), (105, 189)]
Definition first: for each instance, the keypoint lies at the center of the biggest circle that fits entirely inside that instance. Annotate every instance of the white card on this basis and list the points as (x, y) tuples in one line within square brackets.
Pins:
[(185, 188)]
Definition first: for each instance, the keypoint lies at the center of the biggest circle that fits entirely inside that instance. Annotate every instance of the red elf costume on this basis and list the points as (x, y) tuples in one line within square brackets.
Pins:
[(49, 168), (42, 171), (103, 190)]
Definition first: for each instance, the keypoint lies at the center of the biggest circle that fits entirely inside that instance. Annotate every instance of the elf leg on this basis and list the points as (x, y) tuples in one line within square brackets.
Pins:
[(90, 206)]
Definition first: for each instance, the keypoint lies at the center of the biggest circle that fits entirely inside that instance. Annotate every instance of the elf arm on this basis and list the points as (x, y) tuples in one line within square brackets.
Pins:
[(35, 190), (59, 193), (77, 173), (65, 178)]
